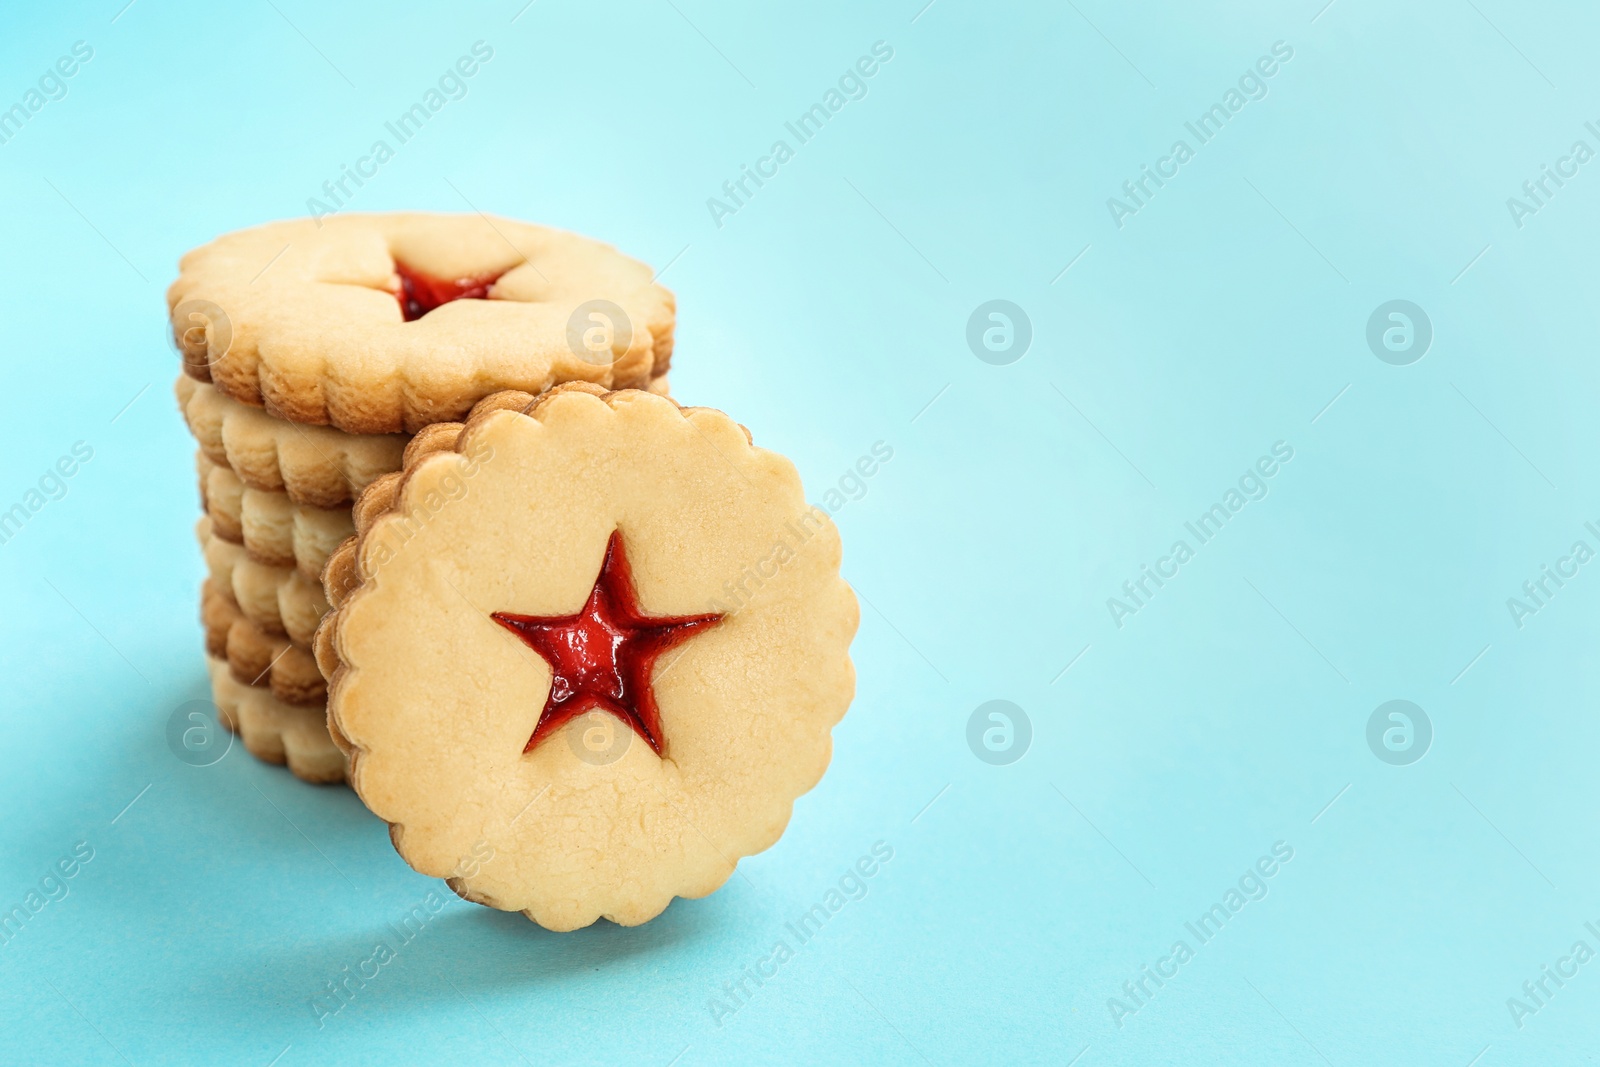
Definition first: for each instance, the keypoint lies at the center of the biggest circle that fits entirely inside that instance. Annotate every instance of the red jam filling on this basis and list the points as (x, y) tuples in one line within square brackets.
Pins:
[(420, 293), (602, 657)]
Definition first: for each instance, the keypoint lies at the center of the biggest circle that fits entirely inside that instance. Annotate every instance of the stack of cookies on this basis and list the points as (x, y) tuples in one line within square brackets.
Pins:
[(312, 353), (580, 647)]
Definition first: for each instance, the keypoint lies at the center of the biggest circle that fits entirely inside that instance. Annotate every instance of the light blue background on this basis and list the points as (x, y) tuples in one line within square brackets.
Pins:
[(830, 313)]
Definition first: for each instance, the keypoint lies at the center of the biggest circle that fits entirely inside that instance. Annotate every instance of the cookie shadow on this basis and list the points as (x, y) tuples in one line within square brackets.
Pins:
[(488, 950), (465, 956)]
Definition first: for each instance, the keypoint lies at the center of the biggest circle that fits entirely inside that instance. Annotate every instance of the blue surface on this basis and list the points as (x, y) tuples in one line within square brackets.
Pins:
[(830, 311)]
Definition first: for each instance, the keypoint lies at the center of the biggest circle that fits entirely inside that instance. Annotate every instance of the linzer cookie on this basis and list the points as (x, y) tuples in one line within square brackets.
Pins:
[(386, 323), (276, 732), (256, 657), (289, 670), (277, 600), (273, 529), (532, 647), (313, 465)]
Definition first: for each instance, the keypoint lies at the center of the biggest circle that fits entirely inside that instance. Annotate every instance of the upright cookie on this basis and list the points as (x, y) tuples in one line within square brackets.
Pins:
[(596, 635), (314, 465), (386, 323)]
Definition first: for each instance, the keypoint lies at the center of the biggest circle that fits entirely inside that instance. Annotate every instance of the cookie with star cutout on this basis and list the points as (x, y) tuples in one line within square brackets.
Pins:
[(600, 632), (387, 323)]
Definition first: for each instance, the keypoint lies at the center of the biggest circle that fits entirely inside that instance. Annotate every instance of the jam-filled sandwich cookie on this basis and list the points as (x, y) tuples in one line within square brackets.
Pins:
[(277, 600), (272, 528), (273, 731), (386, 323), (314, 465), (256, 657), (547, 639)]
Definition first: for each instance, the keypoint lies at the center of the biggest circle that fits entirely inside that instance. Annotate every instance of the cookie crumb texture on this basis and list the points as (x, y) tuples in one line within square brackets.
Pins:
[(309, 319), (435, 702)]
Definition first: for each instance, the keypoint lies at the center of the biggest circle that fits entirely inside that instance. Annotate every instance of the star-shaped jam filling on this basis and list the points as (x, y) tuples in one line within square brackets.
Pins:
[(420, 293), (602, 657)]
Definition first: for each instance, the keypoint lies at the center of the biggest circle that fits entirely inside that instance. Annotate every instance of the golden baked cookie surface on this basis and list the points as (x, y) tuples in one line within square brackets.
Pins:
[(274, 731), (310, 318), (314, 465), (438, 702), (273, 528)]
